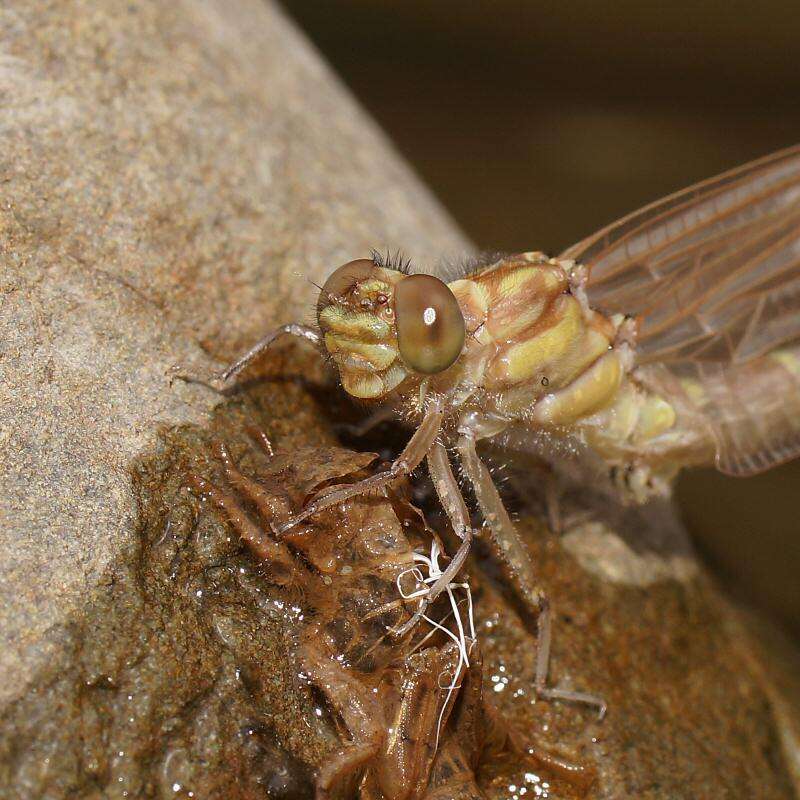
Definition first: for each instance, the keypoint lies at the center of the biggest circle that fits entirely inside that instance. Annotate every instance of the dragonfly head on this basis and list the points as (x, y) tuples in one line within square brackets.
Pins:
[(381, 326)]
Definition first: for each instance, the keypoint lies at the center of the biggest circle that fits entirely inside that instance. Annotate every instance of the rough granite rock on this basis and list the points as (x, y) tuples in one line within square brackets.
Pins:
[(172, 178)]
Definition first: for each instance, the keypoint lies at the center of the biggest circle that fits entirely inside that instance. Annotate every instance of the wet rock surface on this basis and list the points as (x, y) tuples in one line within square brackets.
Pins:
[(171, 174), (174, 679), (180, 677)]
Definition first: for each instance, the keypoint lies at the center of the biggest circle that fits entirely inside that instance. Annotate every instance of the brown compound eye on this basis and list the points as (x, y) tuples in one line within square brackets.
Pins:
[(344, 278), (430, 326)]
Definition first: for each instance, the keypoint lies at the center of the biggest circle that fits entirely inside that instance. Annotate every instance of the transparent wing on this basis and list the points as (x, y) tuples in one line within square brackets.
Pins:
[(713, 272)]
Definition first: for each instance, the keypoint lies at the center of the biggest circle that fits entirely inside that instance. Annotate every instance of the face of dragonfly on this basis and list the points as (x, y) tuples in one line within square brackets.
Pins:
[(381, 327)]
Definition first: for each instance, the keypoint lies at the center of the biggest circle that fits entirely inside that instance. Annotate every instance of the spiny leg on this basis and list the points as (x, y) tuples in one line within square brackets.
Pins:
[(544, 640), (251, 534), (292, 329), (267, 504), (448, 490), (413, 453), (505, 539), (217, 381), (512, 550)]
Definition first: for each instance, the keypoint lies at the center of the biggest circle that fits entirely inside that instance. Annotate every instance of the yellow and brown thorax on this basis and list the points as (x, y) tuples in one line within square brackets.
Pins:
[(515, 339), (530, 338)]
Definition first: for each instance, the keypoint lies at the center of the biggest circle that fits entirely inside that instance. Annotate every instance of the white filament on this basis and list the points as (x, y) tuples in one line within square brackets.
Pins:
[(463, 640)]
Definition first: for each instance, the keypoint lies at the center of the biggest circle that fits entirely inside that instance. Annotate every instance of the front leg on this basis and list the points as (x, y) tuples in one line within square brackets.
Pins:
[(512, 551), (414, 452), (218, 382), (292, 329)]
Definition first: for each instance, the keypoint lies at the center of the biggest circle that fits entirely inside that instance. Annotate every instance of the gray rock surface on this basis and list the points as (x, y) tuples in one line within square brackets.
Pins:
[(171, 180)]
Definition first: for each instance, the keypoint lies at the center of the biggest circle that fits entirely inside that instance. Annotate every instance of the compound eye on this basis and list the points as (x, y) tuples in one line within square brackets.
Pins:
[(343, 279), (430, 326)]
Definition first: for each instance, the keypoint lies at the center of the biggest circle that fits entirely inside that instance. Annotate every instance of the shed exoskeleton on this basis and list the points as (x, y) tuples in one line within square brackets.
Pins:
[(392, 694)]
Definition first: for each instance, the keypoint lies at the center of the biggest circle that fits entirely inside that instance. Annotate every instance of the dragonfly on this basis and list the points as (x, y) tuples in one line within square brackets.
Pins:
[(668, 339)]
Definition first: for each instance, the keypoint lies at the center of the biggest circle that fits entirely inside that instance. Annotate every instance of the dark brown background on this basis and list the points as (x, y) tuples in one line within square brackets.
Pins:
[(538, 122)]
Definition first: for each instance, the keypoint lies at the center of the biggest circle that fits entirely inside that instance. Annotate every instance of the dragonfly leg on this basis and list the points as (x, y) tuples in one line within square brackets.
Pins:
[(364, 426), (218, 381), (414, 452), (292, 329), (448, 491), (544, 629), (505, 539), (450, 497), (512, 551)]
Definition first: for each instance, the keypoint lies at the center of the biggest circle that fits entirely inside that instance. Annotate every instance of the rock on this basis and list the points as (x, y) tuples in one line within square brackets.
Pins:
[(174, 176)]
